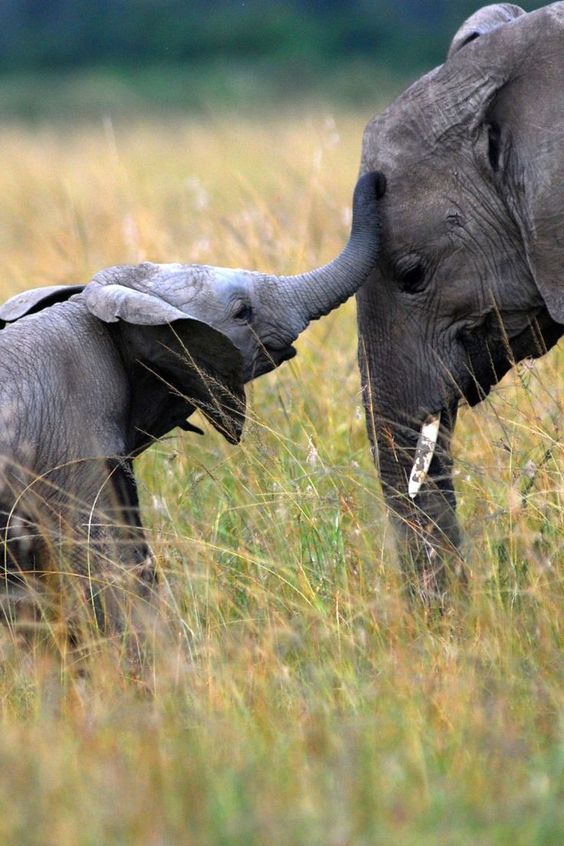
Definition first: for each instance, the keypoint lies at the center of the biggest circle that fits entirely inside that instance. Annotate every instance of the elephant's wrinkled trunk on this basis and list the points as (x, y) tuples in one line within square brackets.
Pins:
[(413, 445), (425, 518), (317, 292)]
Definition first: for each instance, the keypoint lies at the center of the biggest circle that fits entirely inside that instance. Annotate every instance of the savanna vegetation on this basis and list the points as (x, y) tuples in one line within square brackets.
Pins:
[(297, 697)]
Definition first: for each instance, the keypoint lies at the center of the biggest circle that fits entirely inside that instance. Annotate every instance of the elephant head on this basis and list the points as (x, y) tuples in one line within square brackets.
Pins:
[(470, 277), (201, 332)]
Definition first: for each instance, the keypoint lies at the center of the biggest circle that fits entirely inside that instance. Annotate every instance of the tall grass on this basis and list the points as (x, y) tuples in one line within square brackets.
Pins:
[(300, 699)]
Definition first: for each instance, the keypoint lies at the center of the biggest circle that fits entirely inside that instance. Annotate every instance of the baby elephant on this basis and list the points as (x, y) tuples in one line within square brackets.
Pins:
[(91, 375)]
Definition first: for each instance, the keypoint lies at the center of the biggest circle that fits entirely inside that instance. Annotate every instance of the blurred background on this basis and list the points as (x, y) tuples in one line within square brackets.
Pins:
[(83, 58)]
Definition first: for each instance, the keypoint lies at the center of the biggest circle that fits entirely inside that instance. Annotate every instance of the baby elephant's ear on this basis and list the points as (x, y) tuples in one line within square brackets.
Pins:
[(172, 346), (122, 293), (30, 302), (197, 363)]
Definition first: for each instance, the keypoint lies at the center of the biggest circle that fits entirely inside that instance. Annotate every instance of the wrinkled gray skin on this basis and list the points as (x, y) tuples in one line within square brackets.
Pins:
[(470, 277), (91, 375)]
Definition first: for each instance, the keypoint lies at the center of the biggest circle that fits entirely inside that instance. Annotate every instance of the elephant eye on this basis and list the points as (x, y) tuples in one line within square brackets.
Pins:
[(244, 313), (411, 276)]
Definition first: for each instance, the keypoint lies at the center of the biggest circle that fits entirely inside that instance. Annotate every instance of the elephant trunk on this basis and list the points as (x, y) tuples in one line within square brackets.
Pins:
[(425, 521), (410, 431), (317, 292)]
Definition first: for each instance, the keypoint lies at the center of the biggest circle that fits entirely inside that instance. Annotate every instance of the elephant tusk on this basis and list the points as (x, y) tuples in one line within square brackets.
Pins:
[(424, 453)]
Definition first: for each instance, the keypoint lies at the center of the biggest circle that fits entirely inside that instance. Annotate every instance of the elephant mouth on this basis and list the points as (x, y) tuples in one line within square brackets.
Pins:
[(485, 358), (268, 359)]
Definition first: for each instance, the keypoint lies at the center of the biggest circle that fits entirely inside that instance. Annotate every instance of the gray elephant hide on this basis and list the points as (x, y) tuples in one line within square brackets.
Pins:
[(470, 277)]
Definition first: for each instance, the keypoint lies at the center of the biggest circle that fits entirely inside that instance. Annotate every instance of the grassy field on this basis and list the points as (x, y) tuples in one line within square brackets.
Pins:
[(300, 700)]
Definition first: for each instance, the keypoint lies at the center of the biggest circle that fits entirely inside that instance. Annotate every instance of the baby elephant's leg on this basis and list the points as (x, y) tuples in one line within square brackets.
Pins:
[(21, 563), (114, 562), (134, 550)]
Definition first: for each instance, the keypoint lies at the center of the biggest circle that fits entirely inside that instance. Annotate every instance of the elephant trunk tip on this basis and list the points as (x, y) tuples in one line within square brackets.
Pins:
[(380, 183), (372, 181), (370, 188), (318, 292)]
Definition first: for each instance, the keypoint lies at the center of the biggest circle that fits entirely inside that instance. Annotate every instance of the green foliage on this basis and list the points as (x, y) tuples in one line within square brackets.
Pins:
[(69, 33), (188, 53)]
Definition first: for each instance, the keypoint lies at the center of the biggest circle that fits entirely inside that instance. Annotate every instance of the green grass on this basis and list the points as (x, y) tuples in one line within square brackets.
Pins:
[(297, 699)]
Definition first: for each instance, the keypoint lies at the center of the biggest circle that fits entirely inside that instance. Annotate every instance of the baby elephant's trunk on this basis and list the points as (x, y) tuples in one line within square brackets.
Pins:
[(317, 292)]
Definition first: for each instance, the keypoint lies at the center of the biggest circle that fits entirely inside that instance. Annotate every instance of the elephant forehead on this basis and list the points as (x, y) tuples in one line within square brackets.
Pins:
[(426, 157), (389, 141), (173, 276), (421, 196), (417, 131), (181, 284)]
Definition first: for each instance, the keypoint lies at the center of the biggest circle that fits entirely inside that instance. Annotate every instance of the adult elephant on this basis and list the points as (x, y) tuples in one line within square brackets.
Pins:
[(470, 277)]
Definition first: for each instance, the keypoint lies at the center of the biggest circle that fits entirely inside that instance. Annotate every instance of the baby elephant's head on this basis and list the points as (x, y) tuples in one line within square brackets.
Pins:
[(234, 325), (262, 315), (205, 331)]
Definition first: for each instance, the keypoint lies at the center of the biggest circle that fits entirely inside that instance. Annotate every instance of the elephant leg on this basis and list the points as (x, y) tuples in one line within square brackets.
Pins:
[(67, 553), (22, 552), (135, 552), (101, 571), (115, 555)]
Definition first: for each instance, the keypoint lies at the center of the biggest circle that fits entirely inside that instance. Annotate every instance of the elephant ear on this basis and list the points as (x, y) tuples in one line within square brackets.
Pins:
[(197, 363), (128, 292), (30, 302), (174, 346), (527, 116), (482, 21), (544, 237)]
